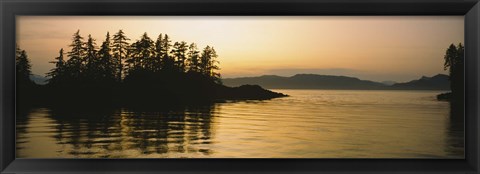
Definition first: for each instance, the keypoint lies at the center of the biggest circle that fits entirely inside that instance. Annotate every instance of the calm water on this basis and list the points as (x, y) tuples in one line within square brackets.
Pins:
[(308, 124)]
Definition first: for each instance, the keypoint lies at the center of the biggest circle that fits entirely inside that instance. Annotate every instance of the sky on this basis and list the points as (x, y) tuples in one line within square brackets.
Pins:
[(378, 48)]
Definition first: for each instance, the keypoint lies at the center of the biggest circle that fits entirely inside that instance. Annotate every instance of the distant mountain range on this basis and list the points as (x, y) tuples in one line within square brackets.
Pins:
[(38, 79), (439, 81), (314, 81), (388, 82)]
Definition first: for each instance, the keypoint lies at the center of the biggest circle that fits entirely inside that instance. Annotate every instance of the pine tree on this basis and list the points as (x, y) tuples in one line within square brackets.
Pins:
[(22, 67), (449, 57), (193, 58), (107, 65), (454, 62), (208, 64), (120, 47), (168, 63), (147, 52), (158, 53), (76, 61), (141, 54), (459, 80), (25, 87), (179, 52), (213, 65), (91, 62), (56, 73)]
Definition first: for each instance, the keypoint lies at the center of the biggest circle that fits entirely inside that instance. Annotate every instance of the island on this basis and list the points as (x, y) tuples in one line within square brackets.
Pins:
[(118, 73)]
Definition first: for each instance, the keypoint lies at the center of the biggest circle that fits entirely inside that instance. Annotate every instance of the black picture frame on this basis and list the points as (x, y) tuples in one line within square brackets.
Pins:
[(10, 8)]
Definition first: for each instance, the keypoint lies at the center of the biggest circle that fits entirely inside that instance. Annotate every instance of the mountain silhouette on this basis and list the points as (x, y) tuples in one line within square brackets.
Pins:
[(305, 81), (315, 81), (38, 79), (388, 82), (437, 82)]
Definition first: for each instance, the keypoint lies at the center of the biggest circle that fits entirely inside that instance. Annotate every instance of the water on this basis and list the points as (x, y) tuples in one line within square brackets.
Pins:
[(308, 124)]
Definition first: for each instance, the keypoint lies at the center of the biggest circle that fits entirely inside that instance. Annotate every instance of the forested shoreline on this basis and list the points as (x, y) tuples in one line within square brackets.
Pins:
[(455, 64), (139, 73)]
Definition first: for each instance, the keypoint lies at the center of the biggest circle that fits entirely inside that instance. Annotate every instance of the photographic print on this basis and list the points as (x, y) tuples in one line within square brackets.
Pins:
[(240, 87)]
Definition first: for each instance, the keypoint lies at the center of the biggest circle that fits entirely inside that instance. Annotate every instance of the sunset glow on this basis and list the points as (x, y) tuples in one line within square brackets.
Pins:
[(372, 48)]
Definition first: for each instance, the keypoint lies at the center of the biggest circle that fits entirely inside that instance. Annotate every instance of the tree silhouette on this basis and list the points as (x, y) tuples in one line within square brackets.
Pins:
[(141, 55), (179, 51), (23, 67), (25, 87), (208, 64), (167, 60), (193, 58), (454, 63), (92, 71), (57, 73), (159, 53), (107, 66), (119, 48), (144, 72), (76, 61)]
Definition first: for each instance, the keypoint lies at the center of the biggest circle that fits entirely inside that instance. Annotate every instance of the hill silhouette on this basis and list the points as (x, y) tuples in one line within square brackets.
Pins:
[(437, 82), (388, 82), (305, 81), (38, 79), (315, 81)]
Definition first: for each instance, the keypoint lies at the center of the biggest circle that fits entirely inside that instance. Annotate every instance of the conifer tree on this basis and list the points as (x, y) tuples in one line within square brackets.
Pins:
[(107, 65), (193, 58), (56, 73), (76, 61), (158, 53), (22, 67), (91, 62), (141, 54), (208, 64), (454, 62), (119, 47), (168, 63), (179, 51)]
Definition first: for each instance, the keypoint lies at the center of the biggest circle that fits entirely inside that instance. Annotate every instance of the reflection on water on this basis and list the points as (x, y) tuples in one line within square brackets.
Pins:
[(309, 124)]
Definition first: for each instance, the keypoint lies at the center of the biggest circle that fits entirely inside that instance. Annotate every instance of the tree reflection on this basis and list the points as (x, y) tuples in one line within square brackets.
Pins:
[(22, 121), (455, 129), (115, 133)]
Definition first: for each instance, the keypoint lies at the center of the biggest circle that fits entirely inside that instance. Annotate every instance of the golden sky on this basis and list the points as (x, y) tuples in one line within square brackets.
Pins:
[(398, 48)]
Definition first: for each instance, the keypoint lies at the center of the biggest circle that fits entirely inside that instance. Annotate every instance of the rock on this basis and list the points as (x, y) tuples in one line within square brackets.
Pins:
[(444, 96)]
